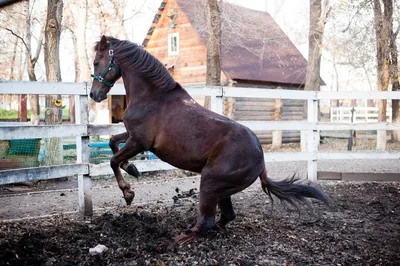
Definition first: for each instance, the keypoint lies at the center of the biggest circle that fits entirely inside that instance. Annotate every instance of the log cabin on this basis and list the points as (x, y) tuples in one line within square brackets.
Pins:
[(255, 52)]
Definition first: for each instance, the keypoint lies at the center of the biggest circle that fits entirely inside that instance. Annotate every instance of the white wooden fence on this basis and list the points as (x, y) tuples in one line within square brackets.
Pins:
[(82, 131), (361, 114)]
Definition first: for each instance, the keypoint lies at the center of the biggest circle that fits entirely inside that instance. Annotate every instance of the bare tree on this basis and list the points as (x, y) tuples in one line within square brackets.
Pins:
[(9, 51), (70, 25), (318, 14), (119, 8), (32, 59), (383, 15), (348, 39), (110, 15), (52, 40), (77, 25), (213, 44), (80, 30), (53, 113), (13, 59), (394, 77), (359, 42)]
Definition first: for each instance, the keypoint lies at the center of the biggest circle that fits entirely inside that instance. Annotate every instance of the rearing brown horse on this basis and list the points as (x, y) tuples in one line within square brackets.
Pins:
[(163, 118)]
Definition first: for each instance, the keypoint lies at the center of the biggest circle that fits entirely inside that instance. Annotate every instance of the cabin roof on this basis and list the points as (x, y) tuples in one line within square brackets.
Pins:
[(253, 46)]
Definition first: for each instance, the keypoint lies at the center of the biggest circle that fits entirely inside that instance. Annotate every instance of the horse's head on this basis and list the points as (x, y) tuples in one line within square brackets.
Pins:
[(106, 72)]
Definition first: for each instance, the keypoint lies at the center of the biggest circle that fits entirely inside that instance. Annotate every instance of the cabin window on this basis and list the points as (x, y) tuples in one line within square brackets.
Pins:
[(173, 44)]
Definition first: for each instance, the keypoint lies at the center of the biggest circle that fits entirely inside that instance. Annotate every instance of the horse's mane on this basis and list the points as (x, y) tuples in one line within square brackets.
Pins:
[(131, 55)]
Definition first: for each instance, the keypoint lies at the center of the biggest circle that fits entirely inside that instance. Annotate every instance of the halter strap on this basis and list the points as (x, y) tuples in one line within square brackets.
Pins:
[(110, 66)]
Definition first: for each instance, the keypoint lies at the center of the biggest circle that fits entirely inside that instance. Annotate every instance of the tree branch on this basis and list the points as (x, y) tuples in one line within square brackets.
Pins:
[(361, 6), (19, 37), (397, 31), (39, 45), (138, 11)]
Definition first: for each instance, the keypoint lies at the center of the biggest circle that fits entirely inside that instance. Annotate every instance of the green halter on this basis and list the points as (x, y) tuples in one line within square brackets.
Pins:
[(110, 66)]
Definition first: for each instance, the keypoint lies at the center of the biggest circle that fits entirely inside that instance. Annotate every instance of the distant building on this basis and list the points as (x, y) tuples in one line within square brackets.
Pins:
[(255, 52)]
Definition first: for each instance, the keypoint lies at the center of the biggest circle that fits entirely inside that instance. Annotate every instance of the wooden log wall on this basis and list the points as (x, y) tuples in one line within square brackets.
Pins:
[(251, 109), (190, 63)]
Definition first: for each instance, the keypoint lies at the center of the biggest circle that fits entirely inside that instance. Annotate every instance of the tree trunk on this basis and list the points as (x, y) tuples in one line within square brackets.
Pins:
[(318, 15), (80, 30), (21, 63), (22, 103), (394, 76), (81, 42), (77, 24), (53, 113), (213, 44), (77, 78), (317, 23), (337, 82), (52, 40), (76, 56), (12, 74), (33, 98), (382, 24), (13, 58)]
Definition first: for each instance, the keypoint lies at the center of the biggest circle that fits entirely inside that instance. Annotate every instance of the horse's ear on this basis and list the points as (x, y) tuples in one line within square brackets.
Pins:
[(103, 44)]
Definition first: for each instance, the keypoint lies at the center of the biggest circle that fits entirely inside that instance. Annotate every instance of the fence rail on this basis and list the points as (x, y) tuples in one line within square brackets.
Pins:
[(361, 114), (82, 130)]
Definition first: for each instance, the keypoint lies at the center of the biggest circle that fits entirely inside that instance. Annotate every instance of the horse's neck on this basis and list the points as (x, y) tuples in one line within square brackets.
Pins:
[(126, 89), (136, 88)]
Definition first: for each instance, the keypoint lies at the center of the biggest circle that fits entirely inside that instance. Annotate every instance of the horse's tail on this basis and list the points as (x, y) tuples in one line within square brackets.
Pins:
[(291, 191)]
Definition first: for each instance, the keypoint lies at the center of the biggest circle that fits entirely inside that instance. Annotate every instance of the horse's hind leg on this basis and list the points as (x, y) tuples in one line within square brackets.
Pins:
[(130, 149), (227, 212), (217, 184), (205, 218), (114, 142)]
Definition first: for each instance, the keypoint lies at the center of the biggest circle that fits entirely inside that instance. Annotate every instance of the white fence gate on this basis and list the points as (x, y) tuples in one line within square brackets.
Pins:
[(83, 131)]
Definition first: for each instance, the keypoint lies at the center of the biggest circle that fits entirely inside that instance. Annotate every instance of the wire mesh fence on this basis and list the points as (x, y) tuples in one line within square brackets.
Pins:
[(20, 153), (25, 153)]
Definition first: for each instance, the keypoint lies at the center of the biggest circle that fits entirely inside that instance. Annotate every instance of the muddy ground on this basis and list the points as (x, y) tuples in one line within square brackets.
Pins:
[(362, 228)]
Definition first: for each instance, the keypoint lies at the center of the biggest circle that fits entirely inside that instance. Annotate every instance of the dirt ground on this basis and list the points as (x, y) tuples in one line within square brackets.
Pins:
[(362, 228)]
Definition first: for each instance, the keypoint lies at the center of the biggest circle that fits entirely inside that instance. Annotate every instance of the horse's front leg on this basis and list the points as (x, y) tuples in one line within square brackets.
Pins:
[(114, 142), (130, 149)]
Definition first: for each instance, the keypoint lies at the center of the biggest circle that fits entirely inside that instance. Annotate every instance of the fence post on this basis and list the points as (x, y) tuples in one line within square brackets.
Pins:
[(216, 101), (277, 134), (83, 154), (312, 138)]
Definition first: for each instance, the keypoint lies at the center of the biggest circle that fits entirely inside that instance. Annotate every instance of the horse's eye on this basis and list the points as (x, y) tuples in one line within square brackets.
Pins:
[(96, 64)]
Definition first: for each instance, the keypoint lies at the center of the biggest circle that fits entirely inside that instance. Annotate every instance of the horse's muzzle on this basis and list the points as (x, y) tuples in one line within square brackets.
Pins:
[(99, 96)]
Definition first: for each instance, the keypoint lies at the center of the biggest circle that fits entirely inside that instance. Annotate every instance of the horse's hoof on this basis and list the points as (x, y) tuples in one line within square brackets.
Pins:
[(185, 238), (129, 196), (132, 170), (221, 227)]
